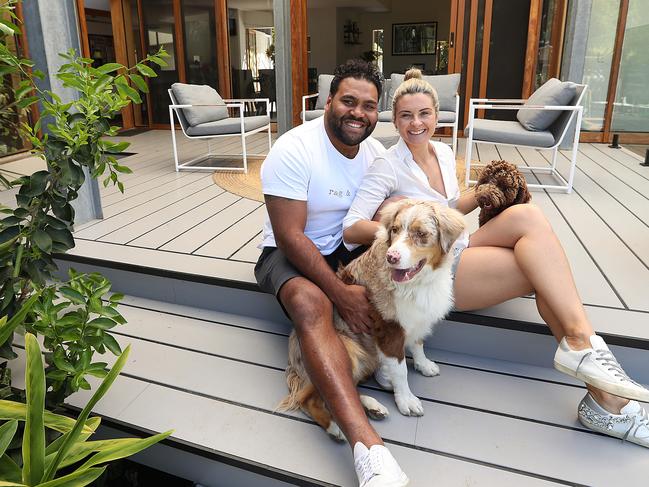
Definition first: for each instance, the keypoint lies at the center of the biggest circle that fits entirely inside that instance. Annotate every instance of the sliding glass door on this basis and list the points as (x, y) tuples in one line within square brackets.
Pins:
[(631, 107)]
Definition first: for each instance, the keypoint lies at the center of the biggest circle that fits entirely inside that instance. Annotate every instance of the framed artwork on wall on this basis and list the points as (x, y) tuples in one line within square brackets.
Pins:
[(413, 39)]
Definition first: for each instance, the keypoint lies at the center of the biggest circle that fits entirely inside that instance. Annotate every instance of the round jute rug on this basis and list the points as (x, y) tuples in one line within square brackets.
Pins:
[(249, 185)]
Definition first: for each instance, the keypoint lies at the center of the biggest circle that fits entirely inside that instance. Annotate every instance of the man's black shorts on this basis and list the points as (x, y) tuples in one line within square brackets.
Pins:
[(273, 269)]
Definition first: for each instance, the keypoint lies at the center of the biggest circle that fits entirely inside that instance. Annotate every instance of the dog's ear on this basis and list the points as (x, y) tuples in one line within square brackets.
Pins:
[(451, 225), (390, 211), (523, 195)]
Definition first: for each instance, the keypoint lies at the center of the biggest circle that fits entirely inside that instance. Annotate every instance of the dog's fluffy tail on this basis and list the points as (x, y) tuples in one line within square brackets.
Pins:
[(298, 391), (300, 388)]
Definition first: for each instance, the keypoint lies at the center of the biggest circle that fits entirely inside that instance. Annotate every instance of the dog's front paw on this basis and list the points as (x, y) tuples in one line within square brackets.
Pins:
[(427, 367), (335, 432), (374, 408), (409, 404)]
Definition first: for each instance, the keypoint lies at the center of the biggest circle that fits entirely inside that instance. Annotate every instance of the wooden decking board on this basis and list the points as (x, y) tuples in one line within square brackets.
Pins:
[(138, 228), (634, 201), (626, 158), (202, 233), (115, 198), (176, 262), (265, 384), (144, 210), (617, 262), (167, 231), (610, 321), (509, 438), (149, 197), (223, 423), (250, 251), (227, 243), (540, 401), (618, 171)]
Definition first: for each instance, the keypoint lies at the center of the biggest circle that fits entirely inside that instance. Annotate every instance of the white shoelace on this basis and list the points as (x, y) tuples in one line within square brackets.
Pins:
[(641, 418), (606, 358), (369, 466)]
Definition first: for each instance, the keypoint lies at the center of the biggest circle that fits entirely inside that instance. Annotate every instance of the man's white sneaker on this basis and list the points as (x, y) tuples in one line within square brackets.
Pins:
[(376, 467), (598, 367), (631, 425)]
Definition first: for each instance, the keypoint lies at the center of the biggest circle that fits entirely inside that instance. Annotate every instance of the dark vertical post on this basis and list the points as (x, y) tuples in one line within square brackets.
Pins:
[(616, 142)]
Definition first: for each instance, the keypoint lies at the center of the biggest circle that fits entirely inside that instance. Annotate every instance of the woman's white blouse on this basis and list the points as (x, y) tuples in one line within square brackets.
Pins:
[(396, 173)]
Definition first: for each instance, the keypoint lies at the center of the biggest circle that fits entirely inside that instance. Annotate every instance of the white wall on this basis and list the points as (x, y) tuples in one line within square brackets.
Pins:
[(321, 28)]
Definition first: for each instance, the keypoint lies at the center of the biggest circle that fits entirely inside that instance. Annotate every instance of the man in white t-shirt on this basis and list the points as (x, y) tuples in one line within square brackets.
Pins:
[(309, 180)]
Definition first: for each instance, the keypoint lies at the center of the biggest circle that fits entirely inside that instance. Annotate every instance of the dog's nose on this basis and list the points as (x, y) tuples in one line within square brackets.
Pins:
[(393, 256)]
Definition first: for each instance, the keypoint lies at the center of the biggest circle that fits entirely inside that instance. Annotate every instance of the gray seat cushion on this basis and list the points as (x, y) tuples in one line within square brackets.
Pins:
[(229, 126), (446, 117), (385, 95), (199, 95), (385, 116), (312, 114), (552, 92), (324, 85), (446, 86), (506, 132)]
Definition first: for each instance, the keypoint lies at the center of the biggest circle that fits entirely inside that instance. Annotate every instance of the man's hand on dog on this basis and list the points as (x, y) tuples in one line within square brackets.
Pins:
[(354, 307)]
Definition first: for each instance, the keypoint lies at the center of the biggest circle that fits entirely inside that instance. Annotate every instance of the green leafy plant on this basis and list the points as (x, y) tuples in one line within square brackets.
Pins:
[(75, 322), (41, 462), (73, 145)]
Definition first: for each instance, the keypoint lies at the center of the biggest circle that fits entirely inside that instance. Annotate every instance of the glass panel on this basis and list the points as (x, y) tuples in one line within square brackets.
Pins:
[(158, 17), (597, 65), (549, 41), (507, 47), (11, 118), (377, 48), (631, 109), (134, 53), (252, 52), (200, 42)]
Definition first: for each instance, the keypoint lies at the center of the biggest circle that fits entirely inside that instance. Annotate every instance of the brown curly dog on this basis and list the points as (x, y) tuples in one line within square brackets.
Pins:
[(499, 186)]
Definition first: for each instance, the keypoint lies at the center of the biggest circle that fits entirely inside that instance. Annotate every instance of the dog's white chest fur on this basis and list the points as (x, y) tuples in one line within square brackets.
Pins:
[(422, 303)]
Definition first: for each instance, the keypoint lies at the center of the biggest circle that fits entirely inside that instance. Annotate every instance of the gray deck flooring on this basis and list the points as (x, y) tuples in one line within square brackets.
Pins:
[(184, 222), (507, 425)]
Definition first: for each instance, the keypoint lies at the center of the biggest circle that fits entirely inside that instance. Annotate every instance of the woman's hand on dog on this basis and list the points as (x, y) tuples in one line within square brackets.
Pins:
[(354, 307)]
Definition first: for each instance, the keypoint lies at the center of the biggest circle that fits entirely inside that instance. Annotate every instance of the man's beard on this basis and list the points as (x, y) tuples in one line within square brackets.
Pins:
[(336, 126)]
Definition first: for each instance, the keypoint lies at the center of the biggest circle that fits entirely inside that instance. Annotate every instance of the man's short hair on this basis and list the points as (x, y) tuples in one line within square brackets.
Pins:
[(357, 69)]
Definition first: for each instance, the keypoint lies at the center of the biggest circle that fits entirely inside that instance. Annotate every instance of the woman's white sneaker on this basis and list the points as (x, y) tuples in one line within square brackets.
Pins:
[(376, 467), (631, 425), (598, 367)]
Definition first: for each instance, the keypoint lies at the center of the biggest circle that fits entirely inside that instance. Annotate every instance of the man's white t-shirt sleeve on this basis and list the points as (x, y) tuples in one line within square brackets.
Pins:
[(285, 171), (378, 184)]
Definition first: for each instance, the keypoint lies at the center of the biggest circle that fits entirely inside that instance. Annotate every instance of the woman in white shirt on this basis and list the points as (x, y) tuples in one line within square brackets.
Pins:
[(512, 255)]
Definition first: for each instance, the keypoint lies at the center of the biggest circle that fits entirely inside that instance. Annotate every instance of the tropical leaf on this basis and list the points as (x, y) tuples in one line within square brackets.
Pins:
[(123, 448), (7, 329), (34, 435), (7, 432), (16, 410), (79, 478), (72, 436)]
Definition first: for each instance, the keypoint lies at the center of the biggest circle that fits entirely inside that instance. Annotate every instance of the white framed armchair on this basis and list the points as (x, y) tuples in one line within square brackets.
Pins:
[(543, 122), (324, 83), (203, 114)]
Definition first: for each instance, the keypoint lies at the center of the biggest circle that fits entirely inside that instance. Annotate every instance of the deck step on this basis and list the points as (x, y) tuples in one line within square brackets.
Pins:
[(216, 378), (511, 331)]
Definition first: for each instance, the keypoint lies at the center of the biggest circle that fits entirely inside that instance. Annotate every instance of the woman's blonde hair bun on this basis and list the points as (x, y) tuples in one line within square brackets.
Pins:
[(413, 73), (413, 83)]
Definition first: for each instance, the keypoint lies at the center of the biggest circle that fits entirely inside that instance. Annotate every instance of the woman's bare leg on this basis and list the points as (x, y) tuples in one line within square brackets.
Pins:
[(514, 254)]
